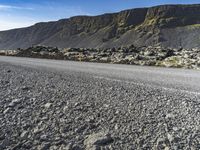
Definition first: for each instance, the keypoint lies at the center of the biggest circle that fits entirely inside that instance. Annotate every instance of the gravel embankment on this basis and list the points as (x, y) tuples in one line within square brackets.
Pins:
[(42, 109)]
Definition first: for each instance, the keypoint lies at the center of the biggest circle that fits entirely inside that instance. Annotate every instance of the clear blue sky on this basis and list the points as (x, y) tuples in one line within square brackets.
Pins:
[(21, 13)]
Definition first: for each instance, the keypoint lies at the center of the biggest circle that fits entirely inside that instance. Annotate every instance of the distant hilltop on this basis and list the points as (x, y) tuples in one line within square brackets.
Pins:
[(172, 26)]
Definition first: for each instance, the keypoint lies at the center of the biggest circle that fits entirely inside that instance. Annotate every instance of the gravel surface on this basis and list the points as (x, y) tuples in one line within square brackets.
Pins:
[(49, 109)]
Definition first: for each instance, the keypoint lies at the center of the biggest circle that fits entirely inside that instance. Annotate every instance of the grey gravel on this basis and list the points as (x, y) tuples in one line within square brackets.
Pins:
[(77, 110)]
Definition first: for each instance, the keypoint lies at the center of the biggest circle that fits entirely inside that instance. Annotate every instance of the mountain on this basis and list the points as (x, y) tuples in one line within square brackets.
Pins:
[(167, 25)]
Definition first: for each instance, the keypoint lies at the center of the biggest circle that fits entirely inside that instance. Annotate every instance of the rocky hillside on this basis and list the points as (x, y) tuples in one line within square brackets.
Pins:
[(167, 26)]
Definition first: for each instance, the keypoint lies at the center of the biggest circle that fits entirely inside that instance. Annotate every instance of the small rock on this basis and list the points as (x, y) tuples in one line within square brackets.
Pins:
[(36, 130), (76, 147), (25, 88), (98, 139), (64, 129), (18, 146), (2, 137), (7, 110), (14, 102), (77, 104), (162, 143), (24, 134), (43, 137), (106, 105), (6, 82), (47, 105), (116, 127), (65, 108), (175, 128), (166, 148), (67, 147), (90, 119), (170, 137), (44, 146), (169, 116), (81, 128)]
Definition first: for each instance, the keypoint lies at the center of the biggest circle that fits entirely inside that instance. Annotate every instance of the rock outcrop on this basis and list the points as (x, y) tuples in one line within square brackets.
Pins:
[(146, 55)]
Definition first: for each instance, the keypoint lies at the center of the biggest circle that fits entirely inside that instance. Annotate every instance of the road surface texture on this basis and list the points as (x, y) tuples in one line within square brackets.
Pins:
[(66, 105)]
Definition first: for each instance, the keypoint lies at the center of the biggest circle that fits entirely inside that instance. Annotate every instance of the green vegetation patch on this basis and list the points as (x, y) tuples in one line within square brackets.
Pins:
[(173, 61), (193, 26)]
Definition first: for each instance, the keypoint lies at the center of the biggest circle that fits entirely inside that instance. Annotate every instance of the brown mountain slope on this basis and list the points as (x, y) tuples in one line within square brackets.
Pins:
[(167, 25)]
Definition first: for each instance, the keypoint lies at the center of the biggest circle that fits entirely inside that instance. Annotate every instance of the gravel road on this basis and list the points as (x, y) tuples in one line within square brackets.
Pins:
[(51, 104)]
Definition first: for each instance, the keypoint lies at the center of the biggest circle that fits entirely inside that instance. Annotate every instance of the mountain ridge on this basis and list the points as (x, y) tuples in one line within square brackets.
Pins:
[(164, 25)]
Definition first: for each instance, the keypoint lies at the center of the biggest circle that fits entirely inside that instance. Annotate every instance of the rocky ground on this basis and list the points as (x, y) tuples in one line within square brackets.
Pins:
[(42, 109), (149, 56)]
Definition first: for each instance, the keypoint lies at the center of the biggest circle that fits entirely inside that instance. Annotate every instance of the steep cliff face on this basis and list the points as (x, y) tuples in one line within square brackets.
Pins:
[(160, 25), (174, 15)]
